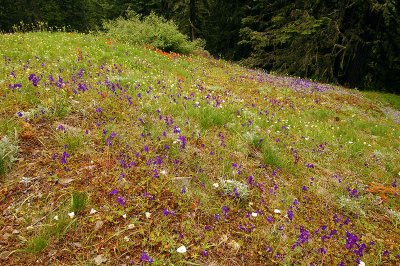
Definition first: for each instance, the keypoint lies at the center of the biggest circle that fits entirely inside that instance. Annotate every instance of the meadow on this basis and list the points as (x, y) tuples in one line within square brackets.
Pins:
[(115, 154)]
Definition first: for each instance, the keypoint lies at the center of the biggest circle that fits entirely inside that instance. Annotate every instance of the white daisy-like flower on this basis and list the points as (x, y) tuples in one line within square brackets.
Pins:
[(181, 249), (148, 215), (124, 215), (56, 218), (71, 214), (254, 214), (131, 226), (216, 185), (361, 263), (277, 211), (92, 211)]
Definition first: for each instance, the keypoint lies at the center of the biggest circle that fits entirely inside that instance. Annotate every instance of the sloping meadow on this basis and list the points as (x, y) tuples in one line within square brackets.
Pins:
[(116, 154)]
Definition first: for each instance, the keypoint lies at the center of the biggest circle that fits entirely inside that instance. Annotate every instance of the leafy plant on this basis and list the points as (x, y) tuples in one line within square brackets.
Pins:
[(151, 30), (8, 153)]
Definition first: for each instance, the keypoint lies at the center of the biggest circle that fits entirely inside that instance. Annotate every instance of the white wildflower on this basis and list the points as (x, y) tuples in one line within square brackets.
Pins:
[(181, 249)]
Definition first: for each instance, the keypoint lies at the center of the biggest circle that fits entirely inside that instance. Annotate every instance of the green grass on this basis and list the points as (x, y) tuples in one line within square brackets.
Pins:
[(161, 133)]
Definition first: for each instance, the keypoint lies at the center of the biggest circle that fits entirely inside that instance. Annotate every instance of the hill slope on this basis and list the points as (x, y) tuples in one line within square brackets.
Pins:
[(126, 154)]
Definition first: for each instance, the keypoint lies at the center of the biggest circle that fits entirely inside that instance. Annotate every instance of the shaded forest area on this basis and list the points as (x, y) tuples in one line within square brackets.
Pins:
[(349, 42)]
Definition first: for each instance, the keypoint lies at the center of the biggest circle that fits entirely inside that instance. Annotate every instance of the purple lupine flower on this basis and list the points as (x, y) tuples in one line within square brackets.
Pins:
[(34, 79), (304, 188), (310, 165), (302, 238), (64, 157), (54, 156), (146, 148), (322, 250), (113, 192), (183, 190), (250, 180), (394, 183), (61, 127), (290, 213), (182, 140), (60, 82), (20, 114), (82, 87), (237, 195), (15, 86), (204, 253), (217, 216), (352, 192), (145, 258), (385, 253), (225, 210), (121, 201), (165, 212), (268, 249), (351, 240), (177, 130), (269, 219)]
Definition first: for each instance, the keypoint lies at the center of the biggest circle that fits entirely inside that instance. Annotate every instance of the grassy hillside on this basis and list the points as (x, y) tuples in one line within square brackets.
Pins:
[(118, 155)]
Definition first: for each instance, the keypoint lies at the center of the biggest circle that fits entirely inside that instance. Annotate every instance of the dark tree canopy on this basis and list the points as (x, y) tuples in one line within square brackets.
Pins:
[(350, 42)]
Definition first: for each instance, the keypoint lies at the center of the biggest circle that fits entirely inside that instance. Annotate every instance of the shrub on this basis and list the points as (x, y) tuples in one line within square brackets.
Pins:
[(151, 30)]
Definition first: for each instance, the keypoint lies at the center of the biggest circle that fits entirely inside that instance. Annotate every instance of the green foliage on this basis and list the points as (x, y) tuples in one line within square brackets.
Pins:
[(78, 201), (37, 244), (8, 152), (151, 30)]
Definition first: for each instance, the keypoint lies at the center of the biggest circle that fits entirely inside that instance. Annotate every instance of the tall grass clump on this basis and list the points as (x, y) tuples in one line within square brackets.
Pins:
[(153, 31)]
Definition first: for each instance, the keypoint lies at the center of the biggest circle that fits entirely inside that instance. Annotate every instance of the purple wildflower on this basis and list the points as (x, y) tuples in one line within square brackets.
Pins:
[(302, 238), (183, 190), (290, 213), (351, 240), (310, 165), (64, 157), (394, 183), (34, 79), (250, 180), (61, 128), (146, 258), (385, 253), (225, 210), (353, 193), (182, 140), (204, 253), (113, 192), (60, 82), (121, 201)]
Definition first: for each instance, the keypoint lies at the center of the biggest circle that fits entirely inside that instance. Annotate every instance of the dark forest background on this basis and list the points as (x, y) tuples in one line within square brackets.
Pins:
[(355, 43)]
